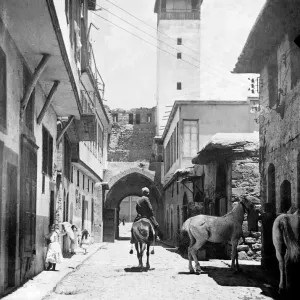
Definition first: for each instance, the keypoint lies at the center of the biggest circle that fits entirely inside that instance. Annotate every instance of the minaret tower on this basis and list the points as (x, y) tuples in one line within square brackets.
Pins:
[(178, 72)]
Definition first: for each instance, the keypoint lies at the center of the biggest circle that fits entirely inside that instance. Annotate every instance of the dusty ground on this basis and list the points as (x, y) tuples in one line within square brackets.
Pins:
[(110, 275)]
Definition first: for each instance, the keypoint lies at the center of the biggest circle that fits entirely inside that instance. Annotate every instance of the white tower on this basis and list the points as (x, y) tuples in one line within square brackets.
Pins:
[(178, 72)]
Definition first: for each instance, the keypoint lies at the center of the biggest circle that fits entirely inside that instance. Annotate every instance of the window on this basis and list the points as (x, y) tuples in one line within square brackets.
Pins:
[(92, 187), (88, 185), (67, 158), (115, 118), (130, 118), (273, 84), (3, 99), (77, 178), (190, 138), (179, 41), (47, 152), (29, 112), (83, 179), (285, 196), (295, 62), (149, 118), (195, 4), (179, 55), (179, 86), (271, 188), (137, 118), (72, 174)]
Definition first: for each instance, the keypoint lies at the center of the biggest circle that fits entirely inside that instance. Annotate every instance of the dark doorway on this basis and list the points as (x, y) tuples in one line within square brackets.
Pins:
[(11, 226), (52, 209), (221, 190), (285, 196), (184, 208)]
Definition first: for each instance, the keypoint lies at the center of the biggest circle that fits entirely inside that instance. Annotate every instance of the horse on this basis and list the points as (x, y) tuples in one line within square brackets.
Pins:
[(205, 228), (143, 235), (285, 235)]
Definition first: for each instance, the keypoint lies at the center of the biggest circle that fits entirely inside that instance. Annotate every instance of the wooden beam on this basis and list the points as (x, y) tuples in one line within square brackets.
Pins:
[(35, 77), (64, 130), (48, 101)]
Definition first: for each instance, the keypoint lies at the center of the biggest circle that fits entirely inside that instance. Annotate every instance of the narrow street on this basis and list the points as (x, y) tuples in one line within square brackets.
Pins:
[(111, 274)]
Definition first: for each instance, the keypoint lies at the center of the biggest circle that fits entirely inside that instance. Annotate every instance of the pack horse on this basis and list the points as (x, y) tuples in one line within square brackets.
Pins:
[(285, 235), (204, 228)]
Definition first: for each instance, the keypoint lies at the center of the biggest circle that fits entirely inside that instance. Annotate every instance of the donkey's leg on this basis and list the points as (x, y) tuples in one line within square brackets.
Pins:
[(201, 237), (192, 242), (137, 251), (234, 254), (281, 270), (141, 255), (286, 271), (147, 264)]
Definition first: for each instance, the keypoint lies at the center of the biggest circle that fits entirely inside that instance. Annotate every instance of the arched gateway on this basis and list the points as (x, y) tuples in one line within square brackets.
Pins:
[(130, 183)]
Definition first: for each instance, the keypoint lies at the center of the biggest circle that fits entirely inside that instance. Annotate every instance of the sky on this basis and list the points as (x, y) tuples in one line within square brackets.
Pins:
[(128, 64)]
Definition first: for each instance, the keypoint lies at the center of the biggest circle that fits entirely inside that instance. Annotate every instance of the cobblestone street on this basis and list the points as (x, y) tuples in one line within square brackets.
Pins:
[(111, 274)]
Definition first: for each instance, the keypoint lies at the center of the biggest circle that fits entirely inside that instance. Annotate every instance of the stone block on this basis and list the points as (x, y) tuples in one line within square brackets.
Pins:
[(255, 234), (253, 199), (250, 240), (250, 253), (256, 247), (242, 255), (239, 191), (243, 248)]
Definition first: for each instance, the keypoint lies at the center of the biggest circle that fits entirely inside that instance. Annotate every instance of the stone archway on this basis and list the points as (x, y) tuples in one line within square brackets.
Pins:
[(130, 183)]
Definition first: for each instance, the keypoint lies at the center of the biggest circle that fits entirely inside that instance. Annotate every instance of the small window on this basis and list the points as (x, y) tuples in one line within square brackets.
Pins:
[(92, 187), (179, 87), (179, 41), (83, 179), (149, 118), (115, 118), (3, 99), (130, 118), (88, 185), (78, 178), (137, 118), (179, 55)]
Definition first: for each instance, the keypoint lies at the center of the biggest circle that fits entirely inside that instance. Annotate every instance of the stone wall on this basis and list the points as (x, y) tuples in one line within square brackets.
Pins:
[(132, 142)]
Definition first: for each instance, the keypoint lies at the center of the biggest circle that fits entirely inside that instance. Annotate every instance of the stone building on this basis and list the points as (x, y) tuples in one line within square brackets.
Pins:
[(272, 50), (131, 164), (49, 104), (178, 26), (229, 168), (190, 126)]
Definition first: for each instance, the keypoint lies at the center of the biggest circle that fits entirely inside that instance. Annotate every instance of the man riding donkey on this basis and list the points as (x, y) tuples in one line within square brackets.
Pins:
[(144, 210)]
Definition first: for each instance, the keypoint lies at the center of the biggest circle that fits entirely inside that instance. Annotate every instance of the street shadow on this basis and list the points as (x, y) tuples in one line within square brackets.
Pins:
[(249, 276), (68, 255), (123, 238), (138, 269)]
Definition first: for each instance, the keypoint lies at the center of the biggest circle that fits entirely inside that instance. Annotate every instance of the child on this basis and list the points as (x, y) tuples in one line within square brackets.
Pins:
[(85, 240), (74, 243), (54, 254)]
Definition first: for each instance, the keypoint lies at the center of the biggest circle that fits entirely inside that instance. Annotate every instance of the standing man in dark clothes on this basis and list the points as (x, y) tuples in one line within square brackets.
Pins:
[(144, 210)]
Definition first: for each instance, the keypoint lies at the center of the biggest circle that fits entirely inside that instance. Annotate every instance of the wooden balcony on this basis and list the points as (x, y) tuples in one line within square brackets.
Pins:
[(179, 14)]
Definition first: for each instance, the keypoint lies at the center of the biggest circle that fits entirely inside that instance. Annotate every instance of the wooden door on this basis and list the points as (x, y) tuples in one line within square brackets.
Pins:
[(10, 227), (109, 225), (28, 198)]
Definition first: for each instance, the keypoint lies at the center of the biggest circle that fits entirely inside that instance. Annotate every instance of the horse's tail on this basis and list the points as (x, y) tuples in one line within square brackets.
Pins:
[(183, 239), (290, 240), (142, 232)]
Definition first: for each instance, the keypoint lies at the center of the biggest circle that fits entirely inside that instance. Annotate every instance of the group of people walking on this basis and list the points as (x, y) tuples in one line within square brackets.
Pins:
[(54, 254)]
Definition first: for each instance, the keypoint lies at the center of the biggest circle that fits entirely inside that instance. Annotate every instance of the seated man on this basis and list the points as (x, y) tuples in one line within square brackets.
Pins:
[(144, 210)]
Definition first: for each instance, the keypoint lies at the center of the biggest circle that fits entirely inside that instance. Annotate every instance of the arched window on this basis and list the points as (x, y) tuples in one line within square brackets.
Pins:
[(272, 187), (285, 196)]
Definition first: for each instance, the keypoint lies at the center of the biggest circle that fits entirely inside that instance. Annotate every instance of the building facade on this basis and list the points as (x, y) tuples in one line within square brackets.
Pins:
[(178, 57), (275, 55), (190, 126), (44, 82)]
